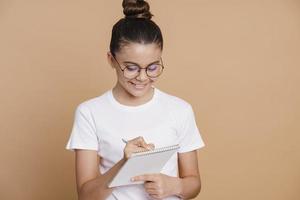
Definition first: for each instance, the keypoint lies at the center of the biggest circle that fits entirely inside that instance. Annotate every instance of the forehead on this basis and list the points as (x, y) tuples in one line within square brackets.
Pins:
[(139, 53)]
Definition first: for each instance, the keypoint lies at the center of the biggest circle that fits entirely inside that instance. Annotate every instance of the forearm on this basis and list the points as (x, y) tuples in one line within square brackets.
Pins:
[(188, 187), (96, 189)]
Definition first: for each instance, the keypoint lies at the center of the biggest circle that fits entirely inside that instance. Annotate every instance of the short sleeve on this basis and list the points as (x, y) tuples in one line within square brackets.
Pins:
[(83, 135), (190, 138)]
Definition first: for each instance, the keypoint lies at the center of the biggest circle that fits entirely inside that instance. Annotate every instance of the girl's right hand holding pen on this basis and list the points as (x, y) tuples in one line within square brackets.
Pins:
[(135, 145)]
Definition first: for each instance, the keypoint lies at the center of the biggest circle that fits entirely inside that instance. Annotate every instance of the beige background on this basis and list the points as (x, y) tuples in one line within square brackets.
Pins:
[(237, 62)]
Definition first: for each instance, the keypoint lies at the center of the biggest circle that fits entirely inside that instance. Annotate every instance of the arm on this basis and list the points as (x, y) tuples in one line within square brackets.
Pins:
[(190, 183), (186, 186), (92, 185)]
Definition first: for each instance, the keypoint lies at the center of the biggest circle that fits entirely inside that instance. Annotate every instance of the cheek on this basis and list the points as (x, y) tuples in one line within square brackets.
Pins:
[(153, 79), (120, 76)]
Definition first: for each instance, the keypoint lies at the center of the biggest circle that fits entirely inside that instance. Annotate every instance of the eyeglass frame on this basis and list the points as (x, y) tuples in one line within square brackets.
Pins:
[(140, 68)]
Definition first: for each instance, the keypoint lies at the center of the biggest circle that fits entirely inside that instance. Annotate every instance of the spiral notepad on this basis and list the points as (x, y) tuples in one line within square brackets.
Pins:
[(145, 162)]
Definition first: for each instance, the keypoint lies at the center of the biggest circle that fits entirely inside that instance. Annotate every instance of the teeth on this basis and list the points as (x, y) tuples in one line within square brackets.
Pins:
[(139, 86)]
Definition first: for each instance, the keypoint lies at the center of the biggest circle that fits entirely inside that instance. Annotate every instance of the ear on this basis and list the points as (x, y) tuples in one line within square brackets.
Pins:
[(110, 59)]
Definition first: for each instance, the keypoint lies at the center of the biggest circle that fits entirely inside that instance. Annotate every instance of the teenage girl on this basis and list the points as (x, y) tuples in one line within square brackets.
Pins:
[(138, 112)]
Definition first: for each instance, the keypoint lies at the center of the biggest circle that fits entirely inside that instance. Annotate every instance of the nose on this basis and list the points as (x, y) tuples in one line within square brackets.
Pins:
[(142, 75)]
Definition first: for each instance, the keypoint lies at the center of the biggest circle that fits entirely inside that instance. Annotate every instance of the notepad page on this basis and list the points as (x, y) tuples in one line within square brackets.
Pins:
[(146, 163)]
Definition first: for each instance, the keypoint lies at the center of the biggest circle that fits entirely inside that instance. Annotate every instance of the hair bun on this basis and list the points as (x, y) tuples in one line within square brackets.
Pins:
[(136, 9)]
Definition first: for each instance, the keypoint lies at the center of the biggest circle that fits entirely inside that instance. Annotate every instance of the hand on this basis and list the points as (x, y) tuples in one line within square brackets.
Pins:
[(135, 145), (159, 186)]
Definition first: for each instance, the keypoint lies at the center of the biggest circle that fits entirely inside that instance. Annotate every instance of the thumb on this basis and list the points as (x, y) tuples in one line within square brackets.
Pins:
[(151, 146)]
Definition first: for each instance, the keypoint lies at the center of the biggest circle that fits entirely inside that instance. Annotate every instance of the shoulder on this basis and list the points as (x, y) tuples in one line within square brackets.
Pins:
[(92, 104), (175, 103)]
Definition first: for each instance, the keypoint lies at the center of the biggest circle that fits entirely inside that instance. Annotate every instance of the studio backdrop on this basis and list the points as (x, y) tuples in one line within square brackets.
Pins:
[(236, 61)]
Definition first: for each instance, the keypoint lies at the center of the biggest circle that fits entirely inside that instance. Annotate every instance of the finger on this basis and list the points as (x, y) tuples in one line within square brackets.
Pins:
[(140, 142), (128, 151), (145, 177), (139, 149), (137, 140), (155, 196), (151, 146), (150, 185), (151, 191)]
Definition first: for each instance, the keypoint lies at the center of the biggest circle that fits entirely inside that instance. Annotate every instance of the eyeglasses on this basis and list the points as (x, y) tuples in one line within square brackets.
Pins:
[(132, 70)]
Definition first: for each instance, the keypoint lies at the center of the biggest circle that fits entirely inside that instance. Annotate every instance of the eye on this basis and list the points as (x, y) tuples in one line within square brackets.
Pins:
[(132, 68), (153, 67)]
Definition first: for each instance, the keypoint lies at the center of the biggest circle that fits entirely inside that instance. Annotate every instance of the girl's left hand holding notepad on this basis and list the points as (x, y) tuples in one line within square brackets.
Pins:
[(135, 145)]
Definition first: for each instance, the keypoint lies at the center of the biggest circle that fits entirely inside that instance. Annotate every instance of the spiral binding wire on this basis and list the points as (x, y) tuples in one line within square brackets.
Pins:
[(158, 150)]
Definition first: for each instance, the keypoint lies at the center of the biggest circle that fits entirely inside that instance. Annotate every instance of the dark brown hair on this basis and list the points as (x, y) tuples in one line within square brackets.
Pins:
[(136, 26)]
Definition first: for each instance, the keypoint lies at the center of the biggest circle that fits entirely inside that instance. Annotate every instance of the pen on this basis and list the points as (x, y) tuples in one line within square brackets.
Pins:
[(125, 141)]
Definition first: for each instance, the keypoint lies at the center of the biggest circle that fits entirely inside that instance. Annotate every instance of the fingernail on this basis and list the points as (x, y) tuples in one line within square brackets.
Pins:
[(132, 179)]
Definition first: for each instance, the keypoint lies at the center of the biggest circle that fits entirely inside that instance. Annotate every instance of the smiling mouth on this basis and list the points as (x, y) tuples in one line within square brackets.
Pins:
[(139, 86)]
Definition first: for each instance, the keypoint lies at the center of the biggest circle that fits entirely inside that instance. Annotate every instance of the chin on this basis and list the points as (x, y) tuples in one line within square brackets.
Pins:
[(138, 91)]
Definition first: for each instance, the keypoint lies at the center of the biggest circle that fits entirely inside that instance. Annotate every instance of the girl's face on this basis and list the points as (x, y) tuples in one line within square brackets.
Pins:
[(135, 54)]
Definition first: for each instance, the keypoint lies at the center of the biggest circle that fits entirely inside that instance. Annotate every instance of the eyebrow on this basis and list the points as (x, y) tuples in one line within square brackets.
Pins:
[(130, 62)]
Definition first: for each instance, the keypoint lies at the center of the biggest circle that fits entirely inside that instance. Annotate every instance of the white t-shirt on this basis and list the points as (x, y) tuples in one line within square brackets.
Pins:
[(101, 123)]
